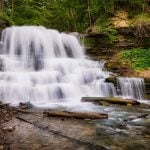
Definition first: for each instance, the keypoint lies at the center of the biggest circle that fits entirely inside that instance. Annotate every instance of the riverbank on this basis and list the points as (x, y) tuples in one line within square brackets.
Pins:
[(125, 129), (127, 56)]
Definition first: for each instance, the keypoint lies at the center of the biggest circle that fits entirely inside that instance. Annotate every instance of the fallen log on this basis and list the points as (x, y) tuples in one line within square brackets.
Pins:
[(76, 115), (112, 100)]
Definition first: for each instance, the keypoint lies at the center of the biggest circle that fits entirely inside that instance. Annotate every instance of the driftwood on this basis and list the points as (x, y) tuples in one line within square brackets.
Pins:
[(110, 100), (77, 115)]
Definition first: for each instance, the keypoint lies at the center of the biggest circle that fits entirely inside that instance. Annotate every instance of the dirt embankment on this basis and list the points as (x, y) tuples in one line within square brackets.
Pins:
[(145, 74)]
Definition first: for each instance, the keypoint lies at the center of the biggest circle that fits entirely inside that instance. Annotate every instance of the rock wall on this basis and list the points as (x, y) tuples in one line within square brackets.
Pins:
[(99, 46)]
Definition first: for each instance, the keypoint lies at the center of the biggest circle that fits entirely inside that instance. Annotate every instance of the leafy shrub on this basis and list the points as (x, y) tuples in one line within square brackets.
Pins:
[(138, 58), (102, 25)]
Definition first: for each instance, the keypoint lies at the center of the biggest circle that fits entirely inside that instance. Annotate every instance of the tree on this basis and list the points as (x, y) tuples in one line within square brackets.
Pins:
[(64, 15), (1, 6)]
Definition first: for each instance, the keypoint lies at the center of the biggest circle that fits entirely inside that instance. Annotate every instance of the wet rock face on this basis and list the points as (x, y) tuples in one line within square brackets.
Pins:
[(6, 113), (147, 87), (99, 46), (3, 24)]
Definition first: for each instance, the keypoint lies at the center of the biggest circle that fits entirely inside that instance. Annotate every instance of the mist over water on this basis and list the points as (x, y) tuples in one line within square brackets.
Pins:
[(48, 69)]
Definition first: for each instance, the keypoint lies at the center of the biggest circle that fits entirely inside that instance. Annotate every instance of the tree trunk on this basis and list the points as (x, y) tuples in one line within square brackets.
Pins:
[(1, 6)]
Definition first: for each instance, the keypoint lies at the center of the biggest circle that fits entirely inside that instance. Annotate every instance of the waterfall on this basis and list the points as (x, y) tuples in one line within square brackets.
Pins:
[(44, 67), (132, 88)]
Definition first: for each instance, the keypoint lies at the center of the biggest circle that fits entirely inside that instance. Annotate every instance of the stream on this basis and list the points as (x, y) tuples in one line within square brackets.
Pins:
[(51, 71), (127, 128)]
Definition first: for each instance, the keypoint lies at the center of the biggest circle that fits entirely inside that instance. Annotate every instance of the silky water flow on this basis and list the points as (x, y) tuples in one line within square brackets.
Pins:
[(49, 69)]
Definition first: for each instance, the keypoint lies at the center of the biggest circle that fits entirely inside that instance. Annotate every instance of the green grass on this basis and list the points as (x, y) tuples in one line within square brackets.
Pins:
[(138, 58)]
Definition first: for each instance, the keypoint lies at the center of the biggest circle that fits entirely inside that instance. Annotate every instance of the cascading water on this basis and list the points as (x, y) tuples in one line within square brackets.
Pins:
[(45, 67), (132, 88)]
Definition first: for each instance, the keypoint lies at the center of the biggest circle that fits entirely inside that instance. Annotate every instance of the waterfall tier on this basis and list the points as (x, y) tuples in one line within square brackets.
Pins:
[(44, 66), (132, 88)]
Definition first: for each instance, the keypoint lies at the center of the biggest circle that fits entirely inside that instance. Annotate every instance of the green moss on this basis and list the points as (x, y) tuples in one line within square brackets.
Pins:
[(140, 18), (138, 58)]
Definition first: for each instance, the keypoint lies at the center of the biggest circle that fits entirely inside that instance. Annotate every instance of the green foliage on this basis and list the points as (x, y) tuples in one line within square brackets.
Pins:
[(137, 2), (111, 33), (31, 12), (7, 19), (65, 15), (138, 58), (140, 18), (103, 26)]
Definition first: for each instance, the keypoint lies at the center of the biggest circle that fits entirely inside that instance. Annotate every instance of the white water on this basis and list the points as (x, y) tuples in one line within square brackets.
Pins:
[(132, 88), (48, 68)]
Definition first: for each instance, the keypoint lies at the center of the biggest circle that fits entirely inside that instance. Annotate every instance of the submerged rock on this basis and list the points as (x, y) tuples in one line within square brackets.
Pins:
[(26, 105), (103, 130)]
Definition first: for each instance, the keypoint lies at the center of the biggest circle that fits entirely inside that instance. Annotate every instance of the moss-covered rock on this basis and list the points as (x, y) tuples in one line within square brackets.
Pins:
[(119, 66)]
